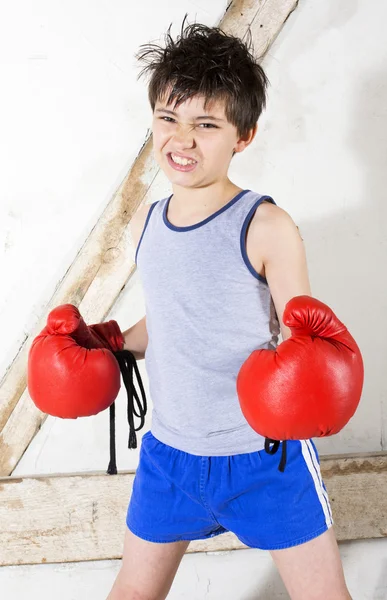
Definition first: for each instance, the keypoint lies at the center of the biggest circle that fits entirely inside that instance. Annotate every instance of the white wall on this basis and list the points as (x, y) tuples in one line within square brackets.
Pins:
[(73, 119), (72, 126)]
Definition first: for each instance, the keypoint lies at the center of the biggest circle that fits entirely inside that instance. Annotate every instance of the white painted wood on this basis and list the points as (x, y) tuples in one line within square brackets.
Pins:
[(82, 517)]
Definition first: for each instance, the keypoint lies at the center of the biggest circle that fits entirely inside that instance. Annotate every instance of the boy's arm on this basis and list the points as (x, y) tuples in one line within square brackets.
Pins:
[(284, 260), (136, 339)]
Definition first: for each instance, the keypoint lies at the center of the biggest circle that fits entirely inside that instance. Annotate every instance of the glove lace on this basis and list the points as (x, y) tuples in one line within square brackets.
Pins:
[(127, 363), (275, 448)]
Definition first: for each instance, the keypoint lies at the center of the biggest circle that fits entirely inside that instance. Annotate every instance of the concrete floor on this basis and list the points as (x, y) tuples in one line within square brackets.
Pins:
[(237, 575)]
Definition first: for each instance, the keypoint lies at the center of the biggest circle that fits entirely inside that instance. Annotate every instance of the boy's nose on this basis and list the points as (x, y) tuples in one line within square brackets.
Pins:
[(184, 137)]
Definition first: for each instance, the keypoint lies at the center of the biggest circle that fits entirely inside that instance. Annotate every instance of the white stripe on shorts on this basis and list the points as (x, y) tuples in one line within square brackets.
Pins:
[(315, 462), (314, 469)]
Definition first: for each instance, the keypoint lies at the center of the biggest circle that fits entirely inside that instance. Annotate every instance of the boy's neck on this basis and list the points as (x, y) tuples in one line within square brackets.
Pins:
[(187, 201)]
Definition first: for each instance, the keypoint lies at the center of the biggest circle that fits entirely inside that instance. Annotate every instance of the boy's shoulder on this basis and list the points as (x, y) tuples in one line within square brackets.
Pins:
[(272, 223), (271, 216), (142, 212), (137, 222), (267, 211)]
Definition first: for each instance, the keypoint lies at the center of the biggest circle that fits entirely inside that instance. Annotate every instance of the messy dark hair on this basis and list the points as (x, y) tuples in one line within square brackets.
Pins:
[(208, 62)]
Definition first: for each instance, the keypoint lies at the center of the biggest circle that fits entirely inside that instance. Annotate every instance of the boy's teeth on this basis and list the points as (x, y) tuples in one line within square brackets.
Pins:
[(182, 161)]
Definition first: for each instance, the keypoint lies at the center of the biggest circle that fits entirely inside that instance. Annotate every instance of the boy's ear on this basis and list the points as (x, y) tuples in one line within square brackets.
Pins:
[(246, 139)]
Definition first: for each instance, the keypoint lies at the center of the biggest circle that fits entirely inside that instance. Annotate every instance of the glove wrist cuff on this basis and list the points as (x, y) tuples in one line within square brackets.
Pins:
[(116, 337)]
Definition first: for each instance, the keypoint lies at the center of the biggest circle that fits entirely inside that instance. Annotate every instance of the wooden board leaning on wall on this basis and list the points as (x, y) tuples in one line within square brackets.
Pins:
[(79, 517)]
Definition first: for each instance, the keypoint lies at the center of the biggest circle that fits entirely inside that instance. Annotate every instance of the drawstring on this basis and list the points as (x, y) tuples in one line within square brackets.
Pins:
[(127, 362), (274, 449), (112, 468)]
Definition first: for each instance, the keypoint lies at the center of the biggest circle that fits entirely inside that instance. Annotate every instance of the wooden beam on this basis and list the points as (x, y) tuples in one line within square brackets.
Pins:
[(104, 263), (78, 517)]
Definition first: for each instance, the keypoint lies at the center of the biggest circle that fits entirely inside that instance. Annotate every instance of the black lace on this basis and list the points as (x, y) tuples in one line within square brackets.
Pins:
[(127, 363), (275, 448)]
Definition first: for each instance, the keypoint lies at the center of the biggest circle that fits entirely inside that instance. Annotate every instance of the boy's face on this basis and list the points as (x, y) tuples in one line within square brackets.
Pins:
[(203, 138)]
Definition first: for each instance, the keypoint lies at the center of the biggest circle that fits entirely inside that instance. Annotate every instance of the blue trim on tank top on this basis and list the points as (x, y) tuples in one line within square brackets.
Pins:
[(189, 227), (145, 224), (243, 238)]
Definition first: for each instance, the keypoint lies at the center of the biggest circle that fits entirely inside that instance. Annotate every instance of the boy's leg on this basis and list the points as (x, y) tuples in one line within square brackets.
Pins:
[(313, 571), (148, 569)]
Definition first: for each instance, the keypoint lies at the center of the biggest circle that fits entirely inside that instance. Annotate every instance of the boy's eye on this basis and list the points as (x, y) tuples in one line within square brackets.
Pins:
[(205, 125)]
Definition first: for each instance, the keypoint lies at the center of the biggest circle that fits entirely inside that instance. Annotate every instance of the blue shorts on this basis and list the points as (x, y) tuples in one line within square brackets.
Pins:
[(181, 496)]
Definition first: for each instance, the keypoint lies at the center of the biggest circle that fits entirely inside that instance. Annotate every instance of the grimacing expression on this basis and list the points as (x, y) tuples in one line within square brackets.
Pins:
[(194, 145)]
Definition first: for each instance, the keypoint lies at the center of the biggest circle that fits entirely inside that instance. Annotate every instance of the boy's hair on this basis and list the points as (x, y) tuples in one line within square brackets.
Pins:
[(208, 62)]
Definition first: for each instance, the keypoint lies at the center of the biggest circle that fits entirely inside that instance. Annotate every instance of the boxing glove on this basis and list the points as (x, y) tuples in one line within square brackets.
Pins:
[(72, 371), (311, 385)]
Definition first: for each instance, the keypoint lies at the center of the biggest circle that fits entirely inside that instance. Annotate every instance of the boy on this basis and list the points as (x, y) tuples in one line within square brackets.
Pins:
[(218, 264)]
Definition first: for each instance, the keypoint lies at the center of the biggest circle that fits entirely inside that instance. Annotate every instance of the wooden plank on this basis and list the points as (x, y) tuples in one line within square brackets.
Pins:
[(265, 17), (70, 518), (104, 263)]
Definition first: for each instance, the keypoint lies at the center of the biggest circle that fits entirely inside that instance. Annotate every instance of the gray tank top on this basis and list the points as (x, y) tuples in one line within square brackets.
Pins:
[(207, 309)]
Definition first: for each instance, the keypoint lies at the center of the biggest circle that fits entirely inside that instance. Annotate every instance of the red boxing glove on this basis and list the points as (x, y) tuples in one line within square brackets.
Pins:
[(311, 385), (71, 369)]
